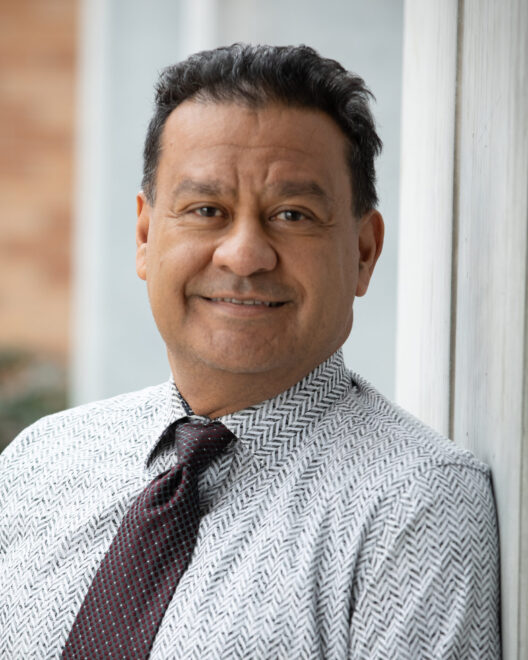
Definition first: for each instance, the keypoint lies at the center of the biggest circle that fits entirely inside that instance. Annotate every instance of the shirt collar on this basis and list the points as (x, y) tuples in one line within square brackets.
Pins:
[(264, 427)]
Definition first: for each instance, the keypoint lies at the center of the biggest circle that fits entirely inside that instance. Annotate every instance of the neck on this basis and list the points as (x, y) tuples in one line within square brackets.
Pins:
[(214, 392)]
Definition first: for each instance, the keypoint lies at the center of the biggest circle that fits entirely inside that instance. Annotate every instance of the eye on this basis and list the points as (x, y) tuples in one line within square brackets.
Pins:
[(208, 211), (291, 215)]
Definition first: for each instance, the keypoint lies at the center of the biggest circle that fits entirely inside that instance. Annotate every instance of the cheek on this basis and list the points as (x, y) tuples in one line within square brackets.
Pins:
[(174, 260), (347, 262), (334, 276), (336, 294)]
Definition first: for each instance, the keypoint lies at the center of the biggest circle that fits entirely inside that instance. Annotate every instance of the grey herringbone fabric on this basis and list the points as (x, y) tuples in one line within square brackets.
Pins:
[(336, 527)]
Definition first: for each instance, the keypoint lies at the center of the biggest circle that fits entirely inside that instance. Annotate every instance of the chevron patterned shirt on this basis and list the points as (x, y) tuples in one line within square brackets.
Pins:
[(337, 526)]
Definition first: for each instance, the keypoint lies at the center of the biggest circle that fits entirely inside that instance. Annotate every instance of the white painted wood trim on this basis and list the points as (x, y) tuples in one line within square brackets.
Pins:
[(489, 412), (426, 209), (480, 272), (88, 210), (201, 22)]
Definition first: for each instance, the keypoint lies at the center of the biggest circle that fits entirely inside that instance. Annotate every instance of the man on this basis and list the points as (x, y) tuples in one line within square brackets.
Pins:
[(322, 521)]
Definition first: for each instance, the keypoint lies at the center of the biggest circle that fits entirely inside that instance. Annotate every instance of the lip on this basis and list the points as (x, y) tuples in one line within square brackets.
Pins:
[(243, 305), (247, 301)]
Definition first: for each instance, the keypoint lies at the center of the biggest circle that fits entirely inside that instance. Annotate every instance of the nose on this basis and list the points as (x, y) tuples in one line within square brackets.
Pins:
[(245, 249)]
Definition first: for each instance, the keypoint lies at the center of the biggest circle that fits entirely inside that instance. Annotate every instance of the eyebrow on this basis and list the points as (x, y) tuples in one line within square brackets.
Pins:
[(285, 188), (301, 189), (212, 188)]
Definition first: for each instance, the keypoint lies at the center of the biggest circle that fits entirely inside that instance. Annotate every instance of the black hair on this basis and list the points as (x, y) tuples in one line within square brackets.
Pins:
[(255, 76)]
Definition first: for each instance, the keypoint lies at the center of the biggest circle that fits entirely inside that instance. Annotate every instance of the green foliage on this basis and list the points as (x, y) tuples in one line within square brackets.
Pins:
[(30, 387)]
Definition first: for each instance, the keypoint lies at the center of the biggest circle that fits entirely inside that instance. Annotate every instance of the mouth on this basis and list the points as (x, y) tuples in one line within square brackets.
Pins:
[(249, 302)]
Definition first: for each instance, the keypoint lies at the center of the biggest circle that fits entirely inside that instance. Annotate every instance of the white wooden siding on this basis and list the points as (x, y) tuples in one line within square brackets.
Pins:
[(426, 205), (486, 266)]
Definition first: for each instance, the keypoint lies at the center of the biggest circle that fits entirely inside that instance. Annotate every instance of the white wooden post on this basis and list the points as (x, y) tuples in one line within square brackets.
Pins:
[(489, 404), (487, 334), (426, 210)]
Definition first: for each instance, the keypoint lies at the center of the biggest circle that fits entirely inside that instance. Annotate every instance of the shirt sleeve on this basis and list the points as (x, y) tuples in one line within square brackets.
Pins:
[(429, 586)]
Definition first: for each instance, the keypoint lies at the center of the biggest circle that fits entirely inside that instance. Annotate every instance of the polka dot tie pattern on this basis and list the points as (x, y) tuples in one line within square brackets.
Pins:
[(122, 611)]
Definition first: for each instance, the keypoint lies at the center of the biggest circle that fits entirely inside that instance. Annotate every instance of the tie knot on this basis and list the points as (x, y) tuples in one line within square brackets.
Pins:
[(199, 442)]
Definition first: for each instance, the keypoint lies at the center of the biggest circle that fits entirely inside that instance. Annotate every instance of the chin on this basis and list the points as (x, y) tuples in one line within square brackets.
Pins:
[(242, 365), (239, 352)]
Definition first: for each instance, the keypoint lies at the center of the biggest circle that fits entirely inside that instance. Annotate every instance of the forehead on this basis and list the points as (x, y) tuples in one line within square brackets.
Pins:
[(228, 139)]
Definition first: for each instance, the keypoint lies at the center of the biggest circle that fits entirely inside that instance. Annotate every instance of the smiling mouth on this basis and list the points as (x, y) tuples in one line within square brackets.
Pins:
[(251, 303)]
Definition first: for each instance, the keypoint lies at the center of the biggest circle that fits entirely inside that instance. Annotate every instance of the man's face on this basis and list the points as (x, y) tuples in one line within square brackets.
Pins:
[(251, 253)]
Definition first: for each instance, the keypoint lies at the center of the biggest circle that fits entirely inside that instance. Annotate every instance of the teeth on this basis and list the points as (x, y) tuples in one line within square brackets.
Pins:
[(245, 302)]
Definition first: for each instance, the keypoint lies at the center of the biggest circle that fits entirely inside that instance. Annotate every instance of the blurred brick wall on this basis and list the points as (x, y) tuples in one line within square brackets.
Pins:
[(37, 79)]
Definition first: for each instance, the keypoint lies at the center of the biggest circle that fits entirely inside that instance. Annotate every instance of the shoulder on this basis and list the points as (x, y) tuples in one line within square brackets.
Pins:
[(389, 428), (86, 423), (381, 451)]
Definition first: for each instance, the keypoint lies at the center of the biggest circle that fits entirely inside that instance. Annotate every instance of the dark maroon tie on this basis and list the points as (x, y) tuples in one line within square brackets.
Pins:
[(134, 584)]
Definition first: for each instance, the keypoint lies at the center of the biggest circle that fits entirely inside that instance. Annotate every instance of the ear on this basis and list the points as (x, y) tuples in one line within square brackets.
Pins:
[(370, 242), (142, 230)]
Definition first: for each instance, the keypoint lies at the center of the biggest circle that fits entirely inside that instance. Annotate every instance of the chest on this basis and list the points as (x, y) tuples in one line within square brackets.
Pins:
[(270, 576)]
